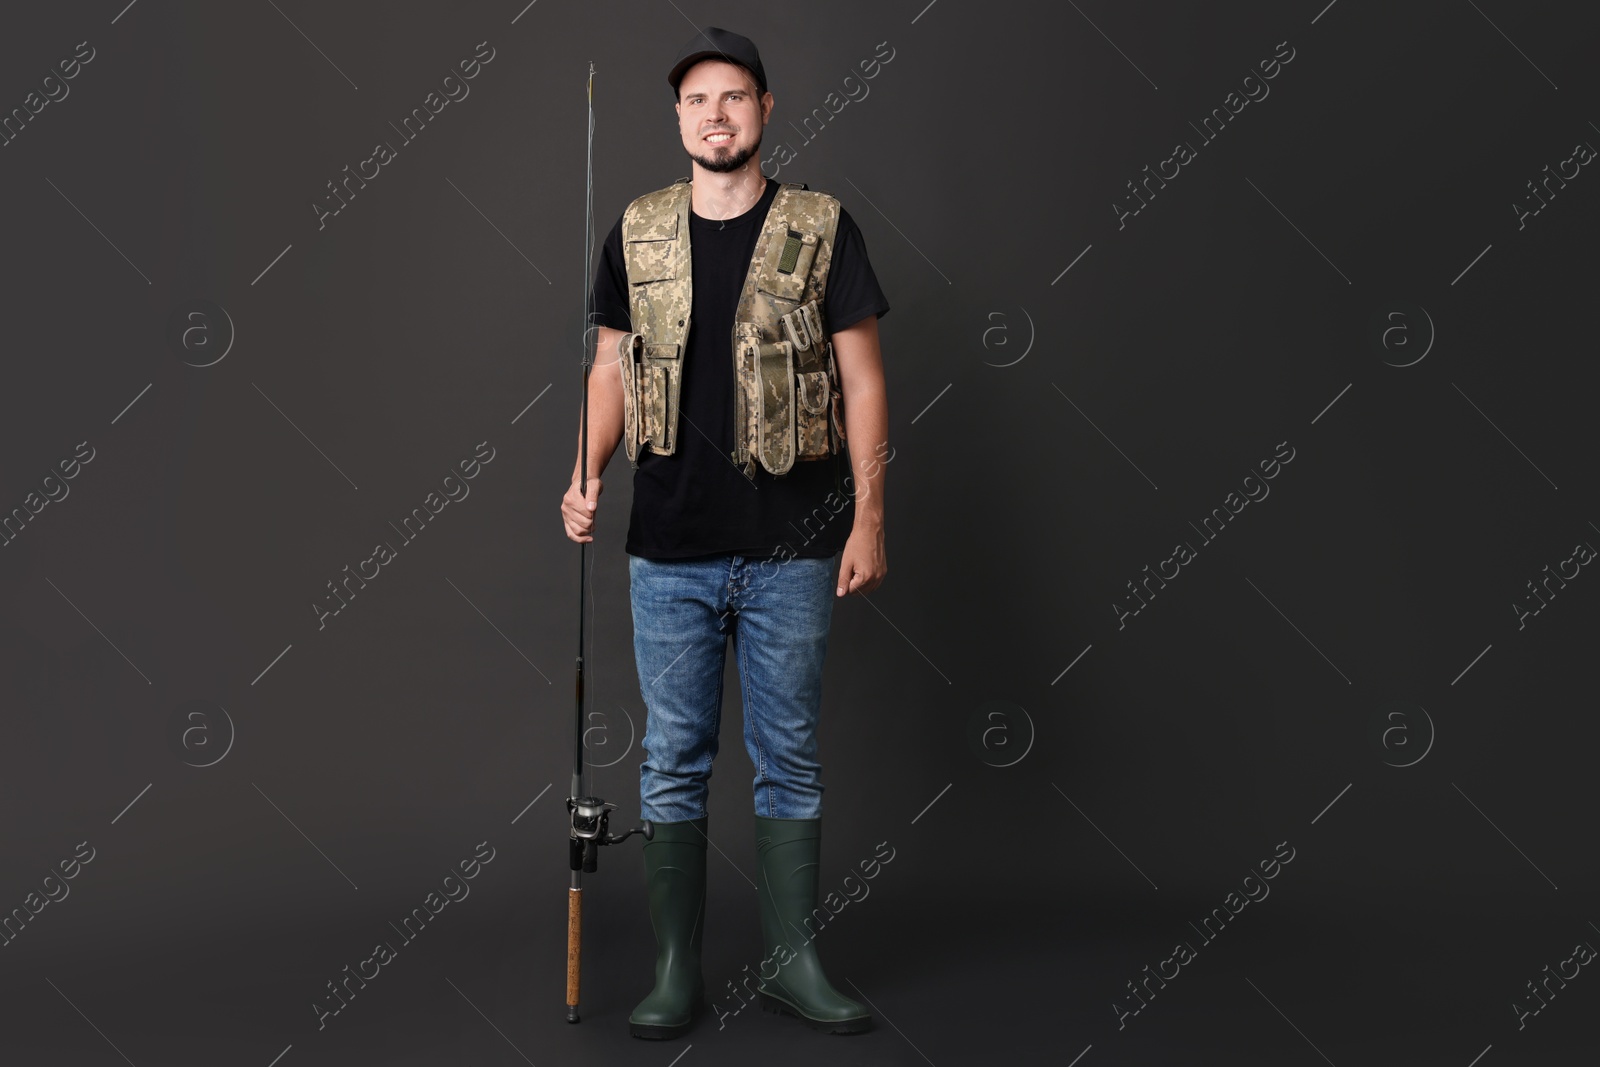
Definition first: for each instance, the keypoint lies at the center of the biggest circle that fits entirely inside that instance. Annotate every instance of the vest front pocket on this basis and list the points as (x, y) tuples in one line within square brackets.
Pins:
[(653, 404), (627, 363), (775, 414), (811, 414)]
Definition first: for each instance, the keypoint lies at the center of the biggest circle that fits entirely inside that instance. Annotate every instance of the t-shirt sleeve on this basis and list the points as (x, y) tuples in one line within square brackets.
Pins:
[(609, 297), (853, 291)]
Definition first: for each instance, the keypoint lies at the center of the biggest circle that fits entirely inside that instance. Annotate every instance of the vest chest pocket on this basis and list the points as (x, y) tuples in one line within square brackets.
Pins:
[(787, 264), (660, 286), (812, 394), (651, 259)]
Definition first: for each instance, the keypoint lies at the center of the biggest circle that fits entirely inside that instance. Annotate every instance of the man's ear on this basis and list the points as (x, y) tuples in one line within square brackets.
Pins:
[(766, 107)]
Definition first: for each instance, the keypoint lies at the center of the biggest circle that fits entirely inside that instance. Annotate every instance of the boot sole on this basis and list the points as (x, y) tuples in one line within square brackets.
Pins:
[(839, 1026), (659, 1033)]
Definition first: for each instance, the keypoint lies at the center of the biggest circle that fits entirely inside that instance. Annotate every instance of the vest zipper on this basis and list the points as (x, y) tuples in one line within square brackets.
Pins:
[(683, 355), (739, 414), (738, 398)]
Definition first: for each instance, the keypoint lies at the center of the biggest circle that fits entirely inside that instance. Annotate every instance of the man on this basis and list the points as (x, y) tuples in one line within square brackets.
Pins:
[(714, 370)]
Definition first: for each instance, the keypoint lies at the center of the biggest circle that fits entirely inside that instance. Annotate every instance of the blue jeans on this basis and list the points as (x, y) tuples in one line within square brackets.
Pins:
[(777, 612)]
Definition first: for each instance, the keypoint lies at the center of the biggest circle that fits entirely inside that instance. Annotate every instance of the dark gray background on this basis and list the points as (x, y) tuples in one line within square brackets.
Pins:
[(1245, 706)]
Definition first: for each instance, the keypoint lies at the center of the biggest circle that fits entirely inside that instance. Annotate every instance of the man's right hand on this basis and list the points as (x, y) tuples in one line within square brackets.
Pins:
[(578, 510)]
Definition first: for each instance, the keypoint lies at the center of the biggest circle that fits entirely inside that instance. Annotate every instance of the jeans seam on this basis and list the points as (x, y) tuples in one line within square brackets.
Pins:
[(716, 721), (755, 723)]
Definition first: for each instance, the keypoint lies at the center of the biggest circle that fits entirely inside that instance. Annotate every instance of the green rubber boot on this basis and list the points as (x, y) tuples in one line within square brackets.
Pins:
[(790, 851), (675, 878)]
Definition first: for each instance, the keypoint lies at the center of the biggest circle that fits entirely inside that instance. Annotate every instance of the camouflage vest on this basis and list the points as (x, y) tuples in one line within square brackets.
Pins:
[(787, 402)]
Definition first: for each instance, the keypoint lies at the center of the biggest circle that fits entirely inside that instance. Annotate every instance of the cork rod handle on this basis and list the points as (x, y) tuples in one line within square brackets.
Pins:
[(574, 949)]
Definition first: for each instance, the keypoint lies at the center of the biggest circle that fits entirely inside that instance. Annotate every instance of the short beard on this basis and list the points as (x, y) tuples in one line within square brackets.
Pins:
[(730, 163)]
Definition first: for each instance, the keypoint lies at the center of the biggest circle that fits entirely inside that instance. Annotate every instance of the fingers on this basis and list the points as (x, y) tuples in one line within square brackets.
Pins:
[(856, 578), (576, 533), (578, 510), (577, 526)]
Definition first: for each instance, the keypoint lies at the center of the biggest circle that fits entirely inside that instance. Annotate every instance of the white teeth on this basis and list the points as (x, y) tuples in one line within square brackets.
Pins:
[(718, 138)]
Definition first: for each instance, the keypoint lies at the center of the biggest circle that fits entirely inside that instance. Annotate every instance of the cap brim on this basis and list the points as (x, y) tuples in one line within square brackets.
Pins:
[(675, 75)]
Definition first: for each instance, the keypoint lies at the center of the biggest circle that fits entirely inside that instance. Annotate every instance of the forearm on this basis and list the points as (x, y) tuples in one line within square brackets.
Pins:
[(866, 419), (605, 413), (866, 416)]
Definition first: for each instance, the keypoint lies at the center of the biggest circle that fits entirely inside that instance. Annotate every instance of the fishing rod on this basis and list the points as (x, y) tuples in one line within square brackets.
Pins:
[(589, 813)]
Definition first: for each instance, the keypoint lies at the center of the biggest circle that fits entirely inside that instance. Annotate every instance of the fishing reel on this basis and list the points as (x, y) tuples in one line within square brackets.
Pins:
[(590, 831)]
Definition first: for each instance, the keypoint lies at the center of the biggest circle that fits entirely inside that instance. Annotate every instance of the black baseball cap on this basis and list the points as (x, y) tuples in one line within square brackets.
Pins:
[(717, 43)]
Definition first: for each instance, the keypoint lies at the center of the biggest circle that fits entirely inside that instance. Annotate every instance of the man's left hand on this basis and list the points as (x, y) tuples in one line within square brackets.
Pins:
[(862, 565)]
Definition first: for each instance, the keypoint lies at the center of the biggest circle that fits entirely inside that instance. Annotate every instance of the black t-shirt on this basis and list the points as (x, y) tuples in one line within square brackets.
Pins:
[(696, 502)]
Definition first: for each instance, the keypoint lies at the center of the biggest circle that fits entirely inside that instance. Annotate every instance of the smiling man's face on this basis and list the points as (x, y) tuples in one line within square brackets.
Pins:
[(720, 115)]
